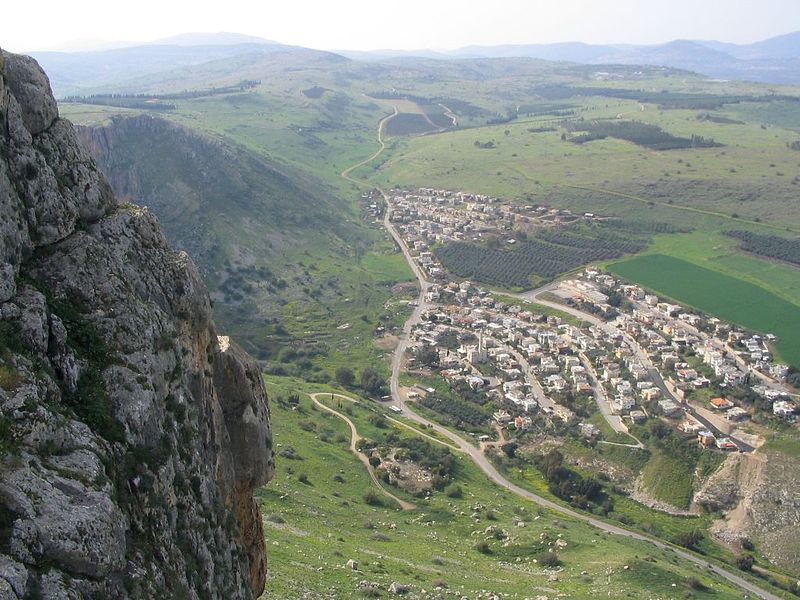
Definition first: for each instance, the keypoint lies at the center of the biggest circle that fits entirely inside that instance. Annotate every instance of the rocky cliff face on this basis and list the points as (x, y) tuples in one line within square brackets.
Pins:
[(759, 496), (131, 434)]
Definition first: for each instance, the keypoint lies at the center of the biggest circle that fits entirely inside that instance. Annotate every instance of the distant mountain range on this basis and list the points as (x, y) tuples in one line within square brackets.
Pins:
[(776, 60)]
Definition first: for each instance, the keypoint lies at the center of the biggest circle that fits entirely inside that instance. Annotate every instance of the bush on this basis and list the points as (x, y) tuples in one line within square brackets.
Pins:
[(371, 381), (510, 449), (303, 478), (454, 491), (345, 376), (549, 559), (688, 539), (695, 584), (378, 420), (372, 498), (744, 562), (290, 453), (483, 548), (275, 518)]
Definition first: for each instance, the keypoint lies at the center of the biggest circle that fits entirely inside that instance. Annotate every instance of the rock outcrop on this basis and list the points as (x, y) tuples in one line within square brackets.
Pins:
[(761, 502), (131, 434)]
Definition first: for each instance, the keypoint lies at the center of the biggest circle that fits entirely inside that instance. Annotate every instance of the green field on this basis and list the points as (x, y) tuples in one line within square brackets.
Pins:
[(728, 298), (717, 252)]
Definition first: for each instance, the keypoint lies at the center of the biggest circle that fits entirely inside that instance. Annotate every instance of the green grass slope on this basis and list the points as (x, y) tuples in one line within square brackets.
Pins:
[(281, 251), (314, 527)]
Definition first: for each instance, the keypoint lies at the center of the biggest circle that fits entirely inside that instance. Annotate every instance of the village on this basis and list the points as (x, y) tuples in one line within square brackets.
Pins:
[(544, 352)]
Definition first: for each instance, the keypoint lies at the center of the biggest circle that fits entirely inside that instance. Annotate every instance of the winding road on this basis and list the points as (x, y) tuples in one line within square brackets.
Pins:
[(476, 454)]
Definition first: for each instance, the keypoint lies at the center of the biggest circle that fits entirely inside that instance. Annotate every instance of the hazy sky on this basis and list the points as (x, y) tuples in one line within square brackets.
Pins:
[(406, 24)]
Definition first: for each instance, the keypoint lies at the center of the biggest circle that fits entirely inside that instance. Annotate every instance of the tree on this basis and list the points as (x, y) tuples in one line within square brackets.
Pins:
[(345, 376), (428, 356), (744, 562), (510, 449), (371, 381)]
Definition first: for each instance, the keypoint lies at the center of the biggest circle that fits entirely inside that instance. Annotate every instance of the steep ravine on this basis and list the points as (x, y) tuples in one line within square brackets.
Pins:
[(131, 433)]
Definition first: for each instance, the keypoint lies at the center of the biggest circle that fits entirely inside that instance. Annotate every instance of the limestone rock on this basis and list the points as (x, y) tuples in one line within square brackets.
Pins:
[(136, 433), (31, 88)]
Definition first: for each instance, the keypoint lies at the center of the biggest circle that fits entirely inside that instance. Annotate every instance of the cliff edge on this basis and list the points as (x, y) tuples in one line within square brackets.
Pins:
[(131, 433)]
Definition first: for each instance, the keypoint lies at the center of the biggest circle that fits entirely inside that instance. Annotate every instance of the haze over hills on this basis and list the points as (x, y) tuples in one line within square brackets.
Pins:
[(776, 60), (71, 72)]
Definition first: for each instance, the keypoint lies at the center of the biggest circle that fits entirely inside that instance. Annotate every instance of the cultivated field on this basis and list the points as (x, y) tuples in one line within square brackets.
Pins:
[(729, 298)]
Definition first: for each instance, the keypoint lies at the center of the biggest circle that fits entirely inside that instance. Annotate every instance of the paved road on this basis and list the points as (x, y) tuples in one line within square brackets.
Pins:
[(422, 305), (533, 381), (653, 372), (601, 398), (354, 438), (488, 468), (480, 459)]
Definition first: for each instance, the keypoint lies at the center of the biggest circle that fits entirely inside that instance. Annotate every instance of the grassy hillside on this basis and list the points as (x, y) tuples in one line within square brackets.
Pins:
[(314, 527), (288, 262)]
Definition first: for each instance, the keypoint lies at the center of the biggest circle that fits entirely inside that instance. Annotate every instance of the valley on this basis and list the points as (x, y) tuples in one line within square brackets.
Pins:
[(396, 267)]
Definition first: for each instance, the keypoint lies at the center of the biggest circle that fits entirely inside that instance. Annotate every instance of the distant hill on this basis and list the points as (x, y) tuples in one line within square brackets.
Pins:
[(73, 73), (569, 51), (234, 211), (783, 46), (776, 60)]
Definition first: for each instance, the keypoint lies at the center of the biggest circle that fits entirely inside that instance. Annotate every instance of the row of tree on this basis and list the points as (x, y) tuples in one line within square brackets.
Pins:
[(637, 132), (545, 256), (771, 246)]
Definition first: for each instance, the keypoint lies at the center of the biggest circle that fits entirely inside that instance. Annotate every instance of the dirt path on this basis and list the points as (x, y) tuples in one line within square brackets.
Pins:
[(381, 126), (450, 115), (501, 439), (354, 438)]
